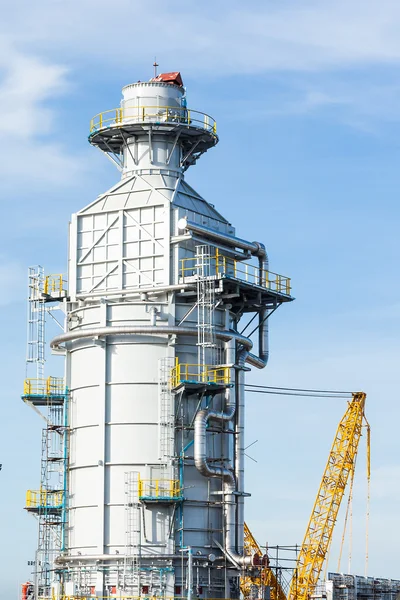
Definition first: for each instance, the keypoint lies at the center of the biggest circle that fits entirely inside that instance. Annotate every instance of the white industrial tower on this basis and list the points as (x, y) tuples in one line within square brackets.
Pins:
[(151, 411)]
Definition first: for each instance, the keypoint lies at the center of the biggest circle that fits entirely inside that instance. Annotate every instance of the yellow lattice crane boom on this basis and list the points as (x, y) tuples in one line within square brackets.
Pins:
[(318, 536), (264, 577)]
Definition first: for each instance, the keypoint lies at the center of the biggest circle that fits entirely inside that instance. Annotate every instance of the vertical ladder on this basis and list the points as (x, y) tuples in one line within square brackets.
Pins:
[(36, 320), (206, 305), (133, 534), (166, 418)]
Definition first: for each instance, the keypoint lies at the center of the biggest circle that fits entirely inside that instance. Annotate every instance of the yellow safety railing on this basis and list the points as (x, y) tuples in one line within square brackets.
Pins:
[(185, 372), (153, 114), (159, 488), (55, 285), (43, 499), (224, 266), (52, 386)]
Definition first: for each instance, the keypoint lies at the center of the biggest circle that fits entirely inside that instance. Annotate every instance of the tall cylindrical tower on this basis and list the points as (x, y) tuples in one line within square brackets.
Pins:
[(155, 365)]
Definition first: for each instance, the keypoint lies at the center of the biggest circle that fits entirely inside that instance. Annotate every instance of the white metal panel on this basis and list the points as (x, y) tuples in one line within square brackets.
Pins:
[(132, 403), (132, 444)]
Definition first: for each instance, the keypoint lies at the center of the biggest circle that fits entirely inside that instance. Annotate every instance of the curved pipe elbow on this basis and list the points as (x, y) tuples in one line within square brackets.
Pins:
[(200, 446)]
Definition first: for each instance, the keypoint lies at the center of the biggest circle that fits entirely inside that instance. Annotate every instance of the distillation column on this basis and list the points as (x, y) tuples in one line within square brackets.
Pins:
[(155, 365)]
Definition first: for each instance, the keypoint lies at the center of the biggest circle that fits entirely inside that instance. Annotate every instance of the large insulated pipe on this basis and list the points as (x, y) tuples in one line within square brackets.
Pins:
[(263, 349), (239, 437), (228, 478), (257, 249), (96, 332), (233, 519), (253, 247)]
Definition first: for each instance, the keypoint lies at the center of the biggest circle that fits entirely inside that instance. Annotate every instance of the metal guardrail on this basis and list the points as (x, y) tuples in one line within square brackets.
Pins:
[(44, 499), (159, 488), (153, 114), (52, 386), (192, 373), (55, 285), (223, 266)]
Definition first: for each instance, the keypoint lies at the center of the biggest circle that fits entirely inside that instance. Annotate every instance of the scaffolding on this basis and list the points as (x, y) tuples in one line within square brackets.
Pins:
[(49, 397)]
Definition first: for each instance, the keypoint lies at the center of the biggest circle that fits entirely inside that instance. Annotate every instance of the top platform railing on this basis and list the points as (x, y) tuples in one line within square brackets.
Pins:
[(174, 115), (224, 266)]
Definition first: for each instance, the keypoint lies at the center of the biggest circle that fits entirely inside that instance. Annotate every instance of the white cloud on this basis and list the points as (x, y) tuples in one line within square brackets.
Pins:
[(228, 38), (312, 37), (28, 85)]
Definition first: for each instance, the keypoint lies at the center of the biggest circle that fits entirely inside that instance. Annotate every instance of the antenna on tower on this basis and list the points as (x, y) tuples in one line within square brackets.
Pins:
[(155, 65)]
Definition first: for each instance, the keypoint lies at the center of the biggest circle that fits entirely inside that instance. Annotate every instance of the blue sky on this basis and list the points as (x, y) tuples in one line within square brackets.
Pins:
[(306, 97)]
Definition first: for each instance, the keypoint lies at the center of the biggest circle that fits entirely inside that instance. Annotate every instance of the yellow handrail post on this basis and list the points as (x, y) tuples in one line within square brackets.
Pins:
[(216, 261), (140, 488), (143, 113), (157, 487), (166, 114), (101, 120), (288, 286), (188, 117), (215, 128)]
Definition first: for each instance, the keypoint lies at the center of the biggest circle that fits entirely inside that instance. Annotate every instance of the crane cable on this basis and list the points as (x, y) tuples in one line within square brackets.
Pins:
[(368, 494), (313, 393), (303, 392), (274, 387), (349, 502)]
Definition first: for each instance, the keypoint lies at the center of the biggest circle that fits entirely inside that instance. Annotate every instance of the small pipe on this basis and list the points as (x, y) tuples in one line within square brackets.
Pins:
[(117, 557), (153, 315), (190, 573), (151, 290)]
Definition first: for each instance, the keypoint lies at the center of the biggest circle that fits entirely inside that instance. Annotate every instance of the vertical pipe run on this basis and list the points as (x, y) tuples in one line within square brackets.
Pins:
[(190, 573), (232, 482), (239, 454)]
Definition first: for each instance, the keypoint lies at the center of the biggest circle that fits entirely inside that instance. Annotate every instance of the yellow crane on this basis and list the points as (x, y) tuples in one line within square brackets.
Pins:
[(318, 536), (264, 577)]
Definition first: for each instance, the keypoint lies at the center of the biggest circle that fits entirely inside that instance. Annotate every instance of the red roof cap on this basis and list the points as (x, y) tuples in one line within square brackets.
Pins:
[(174, 78)]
